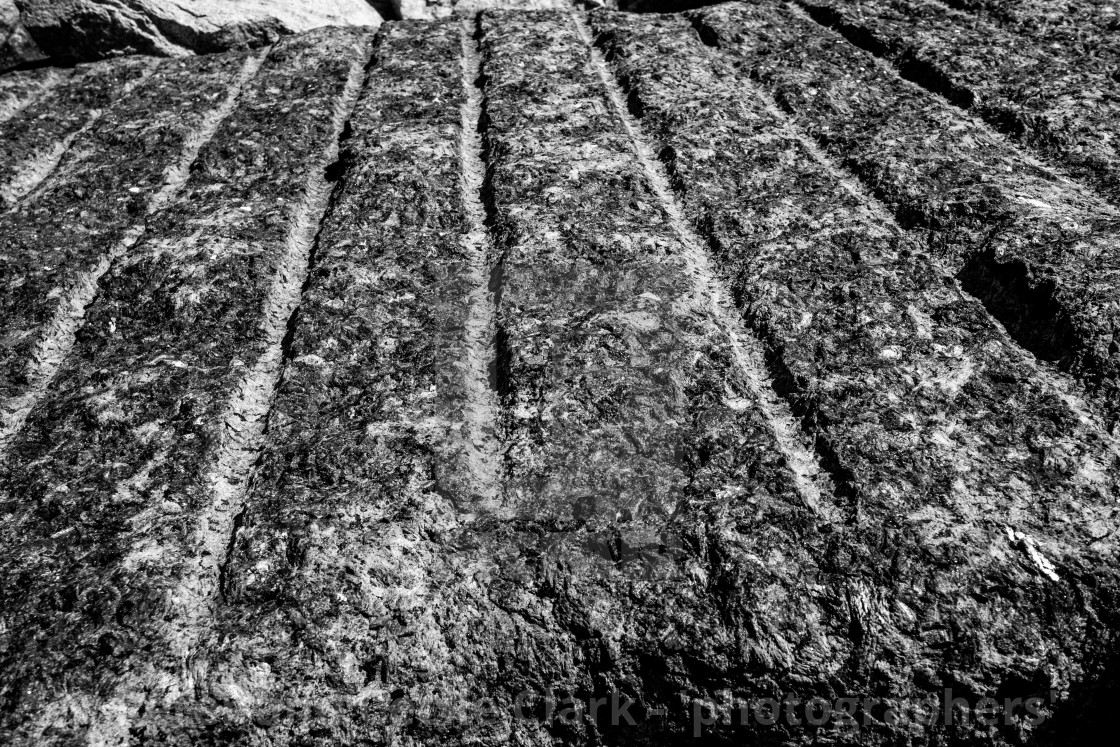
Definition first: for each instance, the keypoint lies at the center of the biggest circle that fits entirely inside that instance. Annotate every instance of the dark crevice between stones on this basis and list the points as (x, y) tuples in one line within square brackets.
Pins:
[(499, 365), (1026, 308), (223, 570), (933, 79), (387, 9), (1085, 717), (57, 64), (664, 6), (707, 34)]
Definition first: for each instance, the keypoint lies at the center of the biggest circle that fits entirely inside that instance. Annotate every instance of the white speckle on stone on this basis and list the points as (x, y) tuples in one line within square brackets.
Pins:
[(1026, 544)]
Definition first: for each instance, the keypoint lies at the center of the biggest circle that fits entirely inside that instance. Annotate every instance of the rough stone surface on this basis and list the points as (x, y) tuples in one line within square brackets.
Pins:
[(94, 29), (85, 209), (148, 378), (410, 387), (1085, 25), (45, 121), (18, 90)]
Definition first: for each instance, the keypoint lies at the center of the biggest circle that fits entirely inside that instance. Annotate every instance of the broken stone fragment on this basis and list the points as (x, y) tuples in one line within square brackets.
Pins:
[(16, 47), (95, 29)]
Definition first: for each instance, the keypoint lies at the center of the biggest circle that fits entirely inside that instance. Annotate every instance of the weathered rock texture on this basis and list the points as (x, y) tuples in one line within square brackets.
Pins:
[(410, 387), (94, 29)]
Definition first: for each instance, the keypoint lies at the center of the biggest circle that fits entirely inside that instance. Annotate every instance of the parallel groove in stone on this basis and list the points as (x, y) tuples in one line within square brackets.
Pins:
[(1040, 251), (34, 141), (517, 417), (171, 354), (362, 518), (54, 340), (1061, 104), (481, 455), (747, 352), (920, 396), (227, 477), (629, 421)]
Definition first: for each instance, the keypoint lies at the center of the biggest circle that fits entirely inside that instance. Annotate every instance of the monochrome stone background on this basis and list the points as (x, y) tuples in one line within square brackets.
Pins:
[(545, 373)]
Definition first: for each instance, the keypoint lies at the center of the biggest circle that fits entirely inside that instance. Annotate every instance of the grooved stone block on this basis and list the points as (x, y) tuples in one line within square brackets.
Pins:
[(1039, 250), (629, 412), (350, 533), (99, 193), (407, 387), (941, 434), (1064, 105), (110, 518), (34, 139)]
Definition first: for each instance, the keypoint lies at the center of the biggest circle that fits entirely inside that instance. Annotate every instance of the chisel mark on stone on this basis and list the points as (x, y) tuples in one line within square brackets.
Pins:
[(245, 418), (1059, 382)]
